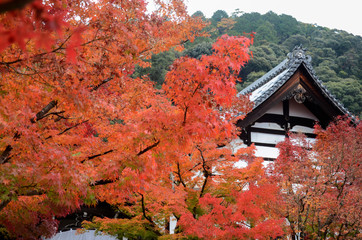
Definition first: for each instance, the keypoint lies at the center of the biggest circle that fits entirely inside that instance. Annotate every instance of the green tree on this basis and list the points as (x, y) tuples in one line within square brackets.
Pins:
[(295, 40), (348, 91), (218, 15), (199, 14), (160, 64), (204, 48), (266, 32)]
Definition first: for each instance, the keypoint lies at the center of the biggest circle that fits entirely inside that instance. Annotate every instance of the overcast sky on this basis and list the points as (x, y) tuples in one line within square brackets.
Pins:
[(335, 14)]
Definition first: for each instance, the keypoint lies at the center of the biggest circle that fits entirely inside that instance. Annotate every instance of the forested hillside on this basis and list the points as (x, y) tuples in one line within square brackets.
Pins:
[(336, 55)]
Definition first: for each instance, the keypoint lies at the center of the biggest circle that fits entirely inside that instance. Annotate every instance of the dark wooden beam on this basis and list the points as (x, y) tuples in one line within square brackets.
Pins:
[(248, 136), (286, 116), (264, 144)]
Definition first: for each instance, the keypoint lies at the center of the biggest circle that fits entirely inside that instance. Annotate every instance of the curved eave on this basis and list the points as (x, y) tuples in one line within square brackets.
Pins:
[(278, 78), (326, 93)]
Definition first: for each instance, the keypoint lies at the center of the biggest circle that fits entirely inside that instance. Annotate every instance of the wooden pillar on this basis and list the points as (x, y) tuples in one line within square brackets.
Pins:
[(286, 116), (248, 135)]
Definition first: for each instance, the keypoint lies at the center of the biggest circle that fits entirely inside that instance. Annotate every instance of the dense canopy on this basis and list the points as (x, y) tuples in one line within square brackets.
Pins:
[(79, 125)]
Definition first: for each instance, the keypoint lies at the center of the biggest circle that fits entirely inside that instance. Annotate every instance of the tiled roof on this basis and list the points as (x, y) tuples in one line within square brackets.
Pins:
[(264, 87), (74, 235)]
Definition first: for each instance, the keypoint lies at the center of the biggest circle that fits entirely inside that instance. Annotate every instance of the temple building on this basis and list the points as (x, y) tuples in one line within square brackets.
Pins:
[(290, 97)]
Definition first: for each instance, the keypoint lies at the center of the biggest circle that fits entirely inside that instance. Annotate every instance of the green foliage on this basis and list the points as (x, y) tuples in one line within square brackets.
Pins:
[(199, 14), (295, 40), (348, 91), (204, 48), (266, 32), (131, 229), (251, 78), (264, 59), (218, 15), (336, 55), (160, 64)]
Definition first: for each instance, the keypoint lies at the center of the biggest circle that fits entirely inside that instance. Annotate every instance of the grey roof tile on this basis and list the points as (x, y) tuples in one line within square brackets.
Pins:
[(268, 84)]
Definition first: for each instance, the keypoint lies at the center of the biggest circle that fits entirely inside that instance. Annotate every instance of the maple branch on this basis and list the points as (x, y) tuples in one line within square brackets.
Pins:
[(206, 172), (196, 165), (103, 82), (60, 47), (329, 220), (340, 231), (185, 114), (148, 148), (179, 174), (4, 157), (11, 62), (20, 73), (67, 129), (144, 209), (29, 193), (102, 182), (97, 155), (187, 107), (43, 113), (58, 115), (70, 128)]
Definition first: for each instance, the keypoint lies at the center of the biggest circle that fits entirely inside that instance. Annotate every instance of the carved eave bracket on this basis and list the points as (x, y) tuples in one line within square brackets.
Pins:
[(299, 94)]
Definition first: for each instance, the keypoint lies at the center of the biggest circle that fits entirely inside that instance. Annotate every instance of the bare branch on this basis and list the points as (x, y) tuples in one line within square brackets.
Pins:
[(60, 47), (179, 174), (144, 209), (4, 157), (148, 148), (185, 115), (102, 182), (67, 129), (206, 172), (40, 115), (103, 82), (28, 193), (97, 155)]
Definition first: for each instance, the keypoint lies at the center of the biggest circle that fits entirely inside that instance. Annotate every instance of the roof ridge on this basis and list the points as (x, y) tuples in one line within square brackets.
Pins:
[(294, 59), (298, 53), (265, 78)]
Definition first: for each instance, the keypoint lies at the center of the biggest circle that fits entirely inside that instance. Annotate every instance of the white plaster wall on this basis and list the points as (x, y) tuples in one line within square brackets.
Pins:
[(276, 109), (173, 224), (266, 152), (266, 138), (302, 129), (299, 110)]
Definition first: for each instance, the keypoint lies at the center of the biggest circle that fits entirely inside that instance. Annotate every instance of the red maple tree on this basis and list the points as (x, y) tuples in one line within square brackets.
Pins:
[(201, 184), (76, 128), (321, 182)]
